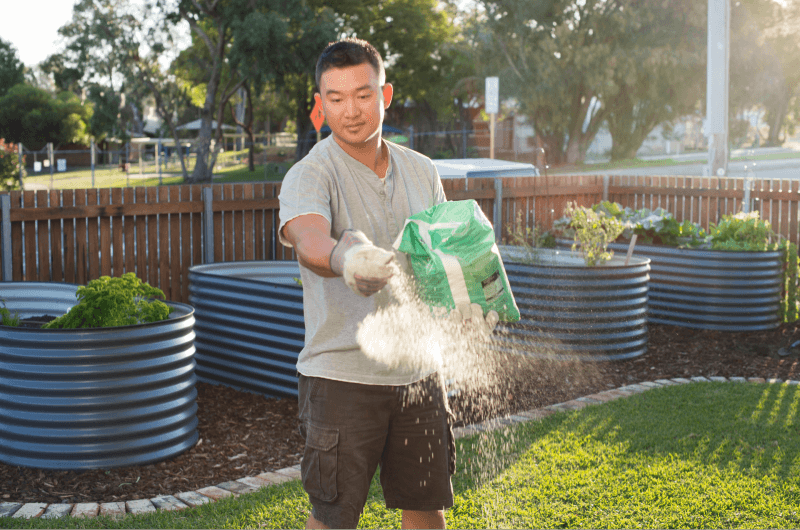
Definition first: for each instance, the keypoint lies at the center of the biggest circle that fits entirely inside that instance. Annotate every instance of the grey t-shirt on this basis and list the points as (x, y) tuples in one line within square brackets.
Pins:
[(331, 183)]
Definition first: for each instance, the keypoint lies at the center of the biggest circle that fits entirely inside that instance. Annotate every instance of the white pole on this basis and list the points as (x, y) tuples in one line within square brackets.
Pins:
[(717, 83)]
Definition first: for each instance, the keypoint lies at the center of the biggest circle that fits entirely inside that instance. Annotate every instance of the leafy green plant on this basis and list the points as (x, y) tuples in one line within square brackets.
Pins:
[(108, 302), (743, 232), (6, 319), (593, 230), (654, 226)]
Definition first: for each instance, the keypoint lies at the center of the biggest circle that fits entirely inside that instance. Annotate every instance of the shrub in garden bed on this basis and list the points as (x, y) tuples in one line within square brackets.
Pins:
[(110, 302)]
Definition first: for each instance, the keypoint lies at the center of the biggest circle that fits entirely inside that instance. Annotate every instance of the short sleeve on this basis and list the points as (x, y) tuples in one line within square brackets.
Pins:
[(305, 190)]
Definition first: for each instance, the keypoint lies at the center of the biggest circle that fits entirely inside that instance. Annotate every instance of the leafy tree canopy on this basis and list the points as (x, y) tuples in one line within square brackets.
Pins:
[(660, 70), (12, 71), (33, 117), (765, 63)]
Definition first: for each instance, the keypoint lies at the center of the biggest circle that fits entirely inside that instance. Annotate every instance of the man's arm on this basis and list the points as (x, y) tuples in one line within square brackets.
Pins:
[(365, 267), (310, 235)]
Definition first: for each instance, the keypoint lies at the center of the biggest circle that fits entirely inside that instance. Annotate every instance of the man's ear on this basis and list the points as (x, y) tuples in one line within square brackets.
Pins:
[(388, 92)]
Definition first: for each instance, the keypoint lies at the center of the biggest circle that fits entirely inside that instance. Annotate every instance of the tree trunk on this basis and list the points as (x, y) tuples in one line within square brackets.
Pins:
[(202, 147), (552, 145), (777, 113), (247, 126), (204, 167)]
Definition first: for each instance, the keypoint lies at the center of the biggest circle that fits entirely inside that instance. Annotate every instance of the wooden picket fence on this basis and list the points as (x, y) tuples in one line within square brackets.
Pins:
[(75, 236), (158, 233)]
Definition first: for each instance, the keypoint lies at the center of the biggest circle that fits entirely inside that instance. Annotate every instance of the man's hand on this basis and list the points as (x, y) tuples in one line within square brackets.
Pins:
[(365, 268), (472, 315)]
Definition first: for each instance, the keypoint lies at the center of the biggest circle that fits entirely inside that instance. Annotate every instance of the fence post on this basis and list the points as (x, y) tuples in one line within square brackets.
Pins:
[(94, 158), (158, 161), (21, 165), (411, 137), (498, 209), (748, 183), (463, 139), (5, 232), (606, 180), (208, 225), (50, 158), (127, 165)]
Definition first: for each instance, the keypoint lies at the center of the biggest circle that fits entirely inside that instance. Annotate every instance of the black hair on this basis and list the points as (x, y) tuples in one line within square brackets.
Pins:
[(349, 52)]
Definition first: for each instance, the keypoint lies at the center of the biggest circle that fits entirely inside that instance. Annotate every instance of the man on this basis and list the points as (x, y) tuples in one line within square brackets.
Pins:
[(342, 206)]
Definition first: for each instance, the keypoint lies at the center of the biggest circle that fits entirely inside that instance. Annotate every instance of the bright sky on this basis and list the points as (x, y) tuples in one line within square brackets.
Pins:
[(32, 26)]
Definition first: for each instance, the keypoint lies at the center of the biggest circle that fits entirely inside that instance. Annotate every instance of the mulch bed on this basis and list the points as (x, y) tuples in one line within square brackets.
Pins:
[(245, 434)]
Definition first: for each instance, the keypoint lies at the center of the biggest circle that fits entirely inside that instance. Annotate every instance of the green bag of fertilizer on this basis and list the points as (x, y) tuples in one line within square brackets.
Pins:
[(453, 254)]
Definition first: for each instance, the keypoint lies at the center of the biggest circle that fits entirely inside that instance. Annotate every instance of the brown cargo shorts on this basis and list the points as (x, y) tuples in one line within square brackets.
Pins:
[(352, 428)]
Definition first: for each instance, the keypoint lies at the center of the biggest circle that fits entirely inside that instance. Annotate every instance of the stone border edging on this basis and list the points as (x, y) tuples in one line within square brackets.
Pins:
[(190, 499)]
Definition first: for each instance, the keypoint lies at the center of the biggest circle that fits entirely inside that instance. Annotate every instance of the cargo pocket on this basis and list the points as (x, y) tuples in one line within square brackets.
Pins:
[(320, 464)]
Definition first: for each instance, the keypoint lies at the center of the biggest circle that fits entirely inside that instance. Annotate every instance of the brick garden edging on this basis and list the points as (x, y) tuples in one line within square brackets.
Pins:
[(190, 499)]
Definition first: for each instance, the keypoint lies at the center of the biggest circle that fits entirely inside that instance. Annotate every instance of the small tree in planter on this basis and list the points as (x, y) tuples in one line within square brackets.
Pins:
[(593, 231)]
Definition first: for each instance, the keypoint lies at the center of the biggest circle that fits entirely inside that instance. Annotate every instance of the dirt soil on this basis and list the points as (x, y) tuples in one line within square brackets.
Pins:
[(244, 434)]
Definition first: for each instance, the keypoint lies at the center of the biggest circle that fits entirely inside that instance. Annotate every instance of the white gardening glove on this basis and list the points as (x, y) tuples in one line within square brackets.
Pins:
[(364, 267), (472, 315)]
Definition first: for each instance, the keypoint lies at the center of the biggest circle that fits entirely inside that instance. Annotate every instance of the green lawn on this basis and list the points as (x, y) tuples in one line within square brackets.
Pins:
[(112, 177), (705, 455)]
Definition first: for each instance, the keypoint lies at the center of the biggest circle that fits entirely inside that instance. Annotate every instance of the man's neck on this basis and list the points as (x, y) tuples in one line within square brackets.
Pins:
[(374, 154)]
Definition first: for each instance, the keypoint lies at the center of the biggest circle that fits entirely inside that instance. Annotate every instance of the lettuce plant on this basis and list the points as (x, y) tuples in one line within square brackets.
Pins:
[(108, 302)]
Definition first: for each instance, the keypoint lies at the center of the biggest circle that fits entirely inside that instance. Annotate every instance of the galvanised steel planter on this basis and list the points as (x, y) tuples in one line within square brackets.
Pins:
[(250, 326), (93, 398), (711, 289), (571, 311)]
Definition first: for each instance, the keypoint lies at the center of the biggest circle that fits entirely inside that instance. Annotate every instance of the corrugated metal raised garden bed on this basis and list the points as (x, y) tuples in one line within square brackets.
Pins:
[(250, 325), (729, 278), (93, 398), (570, 310)]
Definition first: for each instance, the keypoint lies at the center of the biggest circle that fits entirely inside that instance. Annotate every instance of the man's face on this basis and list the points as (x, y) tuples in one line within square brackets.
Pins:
[(354, 102)]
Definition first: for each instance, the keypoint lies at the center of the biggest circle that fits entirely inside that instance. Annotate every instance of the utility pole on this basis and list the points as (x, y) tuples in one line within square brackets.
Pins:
[(717, 84), (492, 107)]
